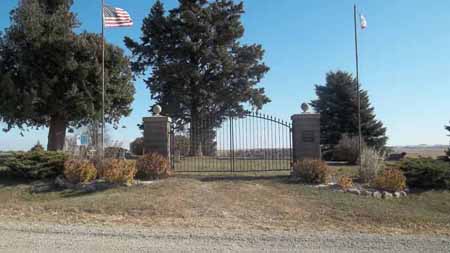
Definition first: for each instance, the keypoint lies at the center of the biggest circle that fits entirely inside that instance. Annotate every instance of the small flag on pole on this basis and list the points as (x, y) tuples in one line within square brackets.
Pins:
[(116, 17), (363, 22)]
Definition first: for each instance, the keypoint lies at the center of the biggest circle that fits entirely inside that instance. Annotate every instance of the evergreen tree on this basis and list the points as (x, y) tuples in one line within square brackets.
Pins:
[(199, 69), (448, 129), (338, 107), (51, 77)]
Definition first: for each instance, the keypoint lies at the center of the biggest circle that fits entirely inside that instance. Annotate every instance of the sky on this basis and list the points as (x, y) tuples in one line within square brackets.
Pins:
[(404, 59)]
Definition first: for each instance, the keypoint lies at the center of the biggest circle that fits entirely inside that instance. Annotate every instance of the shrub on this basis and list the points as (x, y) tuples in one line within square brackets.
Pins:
[(4, 171), (35, 165), (347, 149), (345, 182), (426, 173), (311, 171), (372, 162), (118, 171), (137, 146), (79, 171), (390, 180), (153, 166), (37, 148)]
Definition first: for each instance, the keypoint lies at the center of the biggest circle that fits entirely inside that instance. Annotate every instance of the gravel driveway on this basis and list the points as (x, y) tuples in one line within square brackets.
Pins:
[(21, 237)]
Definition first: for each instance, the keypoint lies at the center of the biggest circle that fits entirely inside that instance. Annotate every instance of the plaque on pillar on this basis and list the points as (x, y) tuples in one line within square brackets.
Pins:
[(306, 134)]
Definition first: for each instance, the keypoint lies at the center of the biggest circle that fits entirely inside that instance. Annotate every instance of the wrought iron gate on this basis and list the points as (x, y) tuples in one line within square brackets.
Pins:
[(249, 143)]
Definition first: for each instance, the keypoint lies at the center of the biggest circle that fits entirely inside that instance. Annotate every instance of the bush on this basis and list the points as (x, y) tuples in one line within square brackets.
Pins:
[(426, 173), (37, 148), (79, 171), (311, 171), (345, 182), (347, 149), (35, 165), (372, 163), (118, 171), (390, 180), (153, 166), (137, 146)]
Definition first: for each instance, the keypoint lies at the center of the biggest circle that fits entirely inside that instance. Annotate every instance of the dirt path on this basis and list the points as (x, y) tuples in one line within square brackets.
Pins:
[(44, 237)]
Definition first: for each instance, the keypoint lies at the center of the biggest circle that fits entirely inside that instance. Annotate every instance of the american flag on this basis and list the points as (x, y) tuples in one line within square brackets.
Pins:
[(363, 22), (116, 17)]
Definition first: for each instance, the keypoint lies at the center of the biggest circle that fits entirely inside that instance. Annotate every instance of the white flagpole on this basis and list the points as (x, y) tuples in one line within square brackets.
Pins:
[(103, 81), (357, 87)]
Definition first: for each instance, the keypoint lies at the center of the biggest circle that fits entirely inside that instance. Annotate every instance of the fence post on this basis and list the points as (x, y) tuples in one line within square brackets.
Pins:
[(157, 133), (306, 135)]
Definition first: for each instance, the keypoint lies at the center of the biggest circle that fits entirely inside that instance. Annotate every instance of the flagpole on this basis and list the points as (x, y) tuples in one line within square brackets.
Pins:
[(357, 89), (103, 81)]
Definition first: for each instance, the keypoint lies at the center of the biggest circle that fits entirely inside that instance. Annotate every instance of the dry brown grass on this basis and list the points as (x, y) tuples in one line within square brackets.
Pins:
[(231, 203)]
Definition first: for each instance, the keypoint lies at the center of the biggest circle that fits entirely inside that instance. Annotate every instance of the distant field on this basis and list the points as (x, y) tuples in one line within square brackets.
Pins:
[(424, 151)]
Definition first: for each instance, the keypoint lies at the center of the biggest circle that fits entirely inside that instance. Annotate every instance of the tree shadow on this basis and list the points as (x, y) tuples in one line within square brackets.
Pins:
[(8, 181), (80, 192), (235, 178)]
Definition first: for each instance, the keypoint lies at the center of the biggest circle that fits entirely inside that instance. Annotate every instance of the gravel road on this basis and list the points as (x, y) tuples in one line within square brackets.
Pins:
[(21, 237)]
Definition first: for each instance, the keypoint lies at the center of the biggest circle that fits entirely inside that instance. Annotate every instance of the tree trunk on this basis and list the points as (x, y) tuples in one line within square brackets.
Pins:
[(56, 134), (209, 147), (196, 136)]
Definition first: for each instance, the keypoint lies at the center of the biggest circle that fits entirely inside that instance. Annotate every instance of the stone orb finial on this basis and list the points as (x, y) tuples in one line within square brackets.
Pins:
[(305, 107), (156, 110)]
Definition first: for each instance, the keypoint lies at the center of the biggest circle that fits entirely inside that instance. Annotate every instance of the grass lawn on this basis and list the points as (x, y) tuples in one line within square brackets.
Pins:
[(243, 202)]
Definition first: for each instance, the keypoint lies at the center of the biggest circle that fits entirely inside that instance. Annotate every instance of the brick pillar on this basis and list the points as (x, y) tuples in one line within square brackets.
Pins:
[(157, 134), (306, 135)]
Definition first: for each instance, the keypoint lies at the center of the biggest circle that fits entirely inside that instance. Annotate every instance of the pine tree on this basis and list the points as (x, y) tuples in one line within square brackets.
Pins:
[(338, 107), (51, 77), (448, 151), (199, 69)]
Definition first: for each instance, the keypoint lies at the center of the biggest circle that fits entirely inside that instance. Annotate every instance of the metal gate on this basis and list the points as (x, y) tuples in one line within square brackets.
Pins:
[(249, 143)]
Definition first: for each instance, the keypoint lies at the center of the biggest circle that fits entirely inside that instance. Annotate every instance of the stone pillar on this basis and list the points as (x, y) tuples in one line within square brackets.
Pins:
[(157, 133), (306, 135)]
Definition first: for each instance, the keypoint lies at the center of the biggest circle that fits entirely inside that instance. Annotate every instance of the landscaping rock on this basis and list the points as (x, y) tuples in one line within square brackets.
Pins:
[(41, 186), (141, 182), (387, 195), (366, 193), (397, 194), (377, 195), (61, 182), (87, 187), (354, 191)]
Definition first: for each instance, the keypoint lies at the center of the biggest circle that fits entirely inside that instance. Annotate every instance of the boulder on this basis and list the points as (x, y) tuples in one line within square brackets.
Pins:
[(366, 193), (377, 194), (61, 182), (354, 191), (387, 195)]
